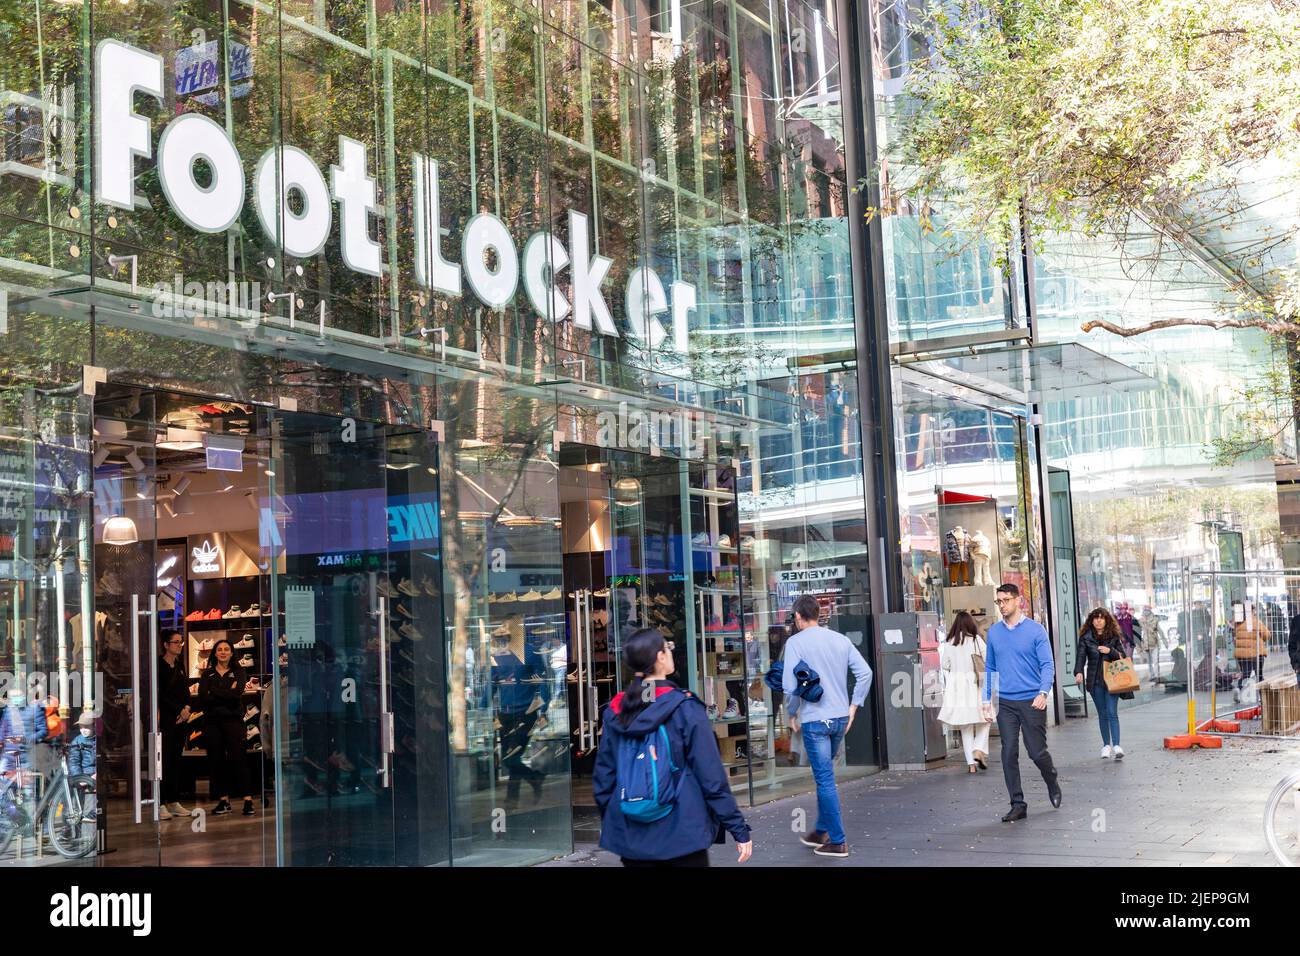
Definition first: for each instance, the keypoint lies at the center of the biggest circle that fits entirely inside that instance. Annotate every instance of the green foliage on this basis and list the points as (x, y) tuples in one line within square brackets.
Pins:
[(1087, 112)]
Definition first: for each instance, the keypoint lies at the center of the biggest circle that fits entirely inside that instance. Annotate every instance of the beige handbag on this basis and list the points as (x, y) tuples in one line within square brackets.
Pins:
[(977, 662)]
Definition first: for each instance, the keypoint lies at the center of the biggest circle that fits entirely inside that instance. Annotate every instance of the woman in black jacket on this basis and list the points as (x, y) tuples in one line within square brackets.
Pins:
[(1101, 640), (704, 808), (221, 691)]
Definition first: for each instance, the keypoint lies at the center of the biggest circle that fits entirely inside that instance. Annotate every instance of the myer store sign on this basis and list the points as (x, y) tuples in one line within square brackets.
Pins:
[(123, 136)]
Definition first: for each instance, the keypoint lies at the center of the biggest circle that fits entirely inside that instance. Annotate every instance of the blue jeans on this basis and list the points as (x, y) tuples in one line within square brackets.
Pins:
[(1107, 713), (821, 740)]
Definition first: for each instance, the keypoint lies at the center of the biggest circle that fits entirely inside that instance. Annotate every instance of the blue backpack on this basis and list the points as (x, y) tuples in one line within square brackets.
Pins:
[(646, 781)]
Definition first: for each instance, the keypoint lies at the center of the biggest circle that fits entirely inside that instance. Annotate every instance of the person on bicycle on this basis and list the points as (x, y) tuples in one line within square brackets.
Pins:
[(21, 727)]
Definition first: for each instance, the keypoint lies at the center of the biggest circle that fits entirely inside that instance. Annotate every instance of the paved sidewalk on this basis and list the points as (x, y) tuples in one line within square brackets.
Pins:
[(1154, 808)]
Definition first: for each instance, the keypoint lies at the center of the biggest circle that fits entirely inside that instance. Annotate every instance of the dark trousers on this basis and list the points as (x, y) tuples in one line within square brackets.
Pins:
[(1016, 717), (515, 731), (173, 741), (227, 761), (698, 858)]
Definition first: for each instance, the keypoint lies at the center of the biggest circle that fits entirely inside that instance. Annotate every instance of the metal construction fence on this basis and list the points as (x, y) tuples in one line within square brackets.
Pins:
[(1238, 652)]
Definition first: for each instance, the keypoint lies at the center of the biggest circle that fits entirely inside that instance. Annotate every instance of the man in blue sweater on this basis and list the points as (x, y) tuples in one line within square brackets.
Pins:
[(826, 720), (1019, 663)]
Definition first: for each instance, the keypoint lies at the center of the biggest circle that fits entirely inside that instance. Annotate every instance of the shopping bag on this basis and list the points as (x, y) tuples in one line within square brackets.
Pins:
[(1121, 678)]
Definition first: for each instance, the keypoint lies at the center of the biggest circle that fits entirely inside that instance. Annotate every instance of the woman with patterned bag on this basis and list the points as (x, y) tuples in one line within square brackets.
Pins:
[(1101, 641)]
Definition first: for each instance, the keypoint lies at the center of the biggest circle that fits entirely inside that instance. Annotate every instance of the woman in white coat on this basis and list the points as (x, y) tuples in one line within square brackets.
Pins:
[(962, 680)]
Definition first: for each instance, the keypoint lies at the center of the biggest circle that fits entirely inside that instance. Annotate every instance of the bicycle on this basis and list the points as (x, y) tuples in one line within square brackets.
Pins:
[(68, 808), (1288, 787)]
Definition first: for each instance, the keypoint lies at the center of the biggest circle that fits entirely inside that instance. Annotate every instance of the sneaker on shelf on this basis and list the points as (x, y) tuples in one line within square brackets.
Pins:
[(554, 594), (244, 643), (663, 600), (757, 708), (213, 615), (712, 711), (509, 597), (402, 610), (194, 715), (531, 595), (235, 611), (251, 732), (205, 645), (338, 759), (196, 616), (408, 630), (741, 752), (282, 642), (747, 542), (724, 541), (429, 586), (733, 709), (700, 540), (251, 711), (407, 588), (254, 610), (254, 686), (385, 588), (246, 661), (194, 737)]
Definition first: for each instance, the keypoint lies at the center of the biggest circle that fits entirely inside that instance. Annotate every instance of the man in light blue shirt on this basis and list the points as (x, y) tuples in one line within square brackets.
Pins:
[(826, 720), (1019, 664)]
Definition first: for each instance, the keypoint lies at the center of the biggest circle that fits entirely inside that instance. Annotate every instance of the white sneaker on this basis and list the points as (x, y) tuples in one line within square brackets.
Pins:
[(164, 813), (1105, 752), (1118, 751), (177, 810)]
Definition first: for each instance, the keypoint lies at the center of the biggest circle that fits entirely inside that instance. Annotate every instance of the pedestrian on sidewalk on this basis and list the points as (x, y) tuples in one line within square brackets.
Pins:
[(700, 808), (1019, 669), (1100, 640), (963, 670), (1250, 647), (826, 720)]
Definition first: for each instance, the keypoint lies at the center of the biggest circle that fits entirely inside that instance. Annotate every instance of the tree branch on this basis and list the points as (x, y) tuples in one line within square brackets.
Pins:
[(1274, 327)]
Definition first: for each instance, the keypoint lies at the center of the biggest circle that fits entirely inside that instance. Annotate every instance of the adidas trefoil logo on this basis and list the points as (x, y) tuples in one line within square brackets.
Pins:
[(206, 558)]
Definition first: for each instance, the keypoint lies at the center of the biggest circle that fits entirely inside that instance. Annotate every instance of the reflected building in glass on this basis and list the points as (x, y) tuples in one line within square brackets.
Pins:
[(405, 358)]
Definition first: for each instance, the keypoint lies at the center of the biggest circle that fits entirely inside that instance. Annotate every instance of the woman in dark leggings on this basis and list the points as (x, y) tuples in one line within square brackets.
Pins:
[(221, 690)]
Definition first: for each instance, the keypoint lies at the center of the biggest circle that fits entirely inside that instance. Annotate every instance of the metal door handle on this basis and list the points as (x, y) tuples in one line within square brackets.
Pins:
[(136, 703)]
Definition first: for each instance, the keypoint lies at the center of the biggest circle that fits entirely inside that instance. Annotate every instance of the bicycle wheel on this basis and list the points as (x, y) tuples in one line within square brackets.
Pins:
[(71, 825), (11, 818), (1282, 821)]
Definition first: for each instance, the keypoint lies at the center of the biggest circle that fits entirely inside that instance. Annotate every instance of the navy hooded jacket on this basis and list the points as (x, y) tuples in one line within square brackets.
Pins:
[(705, 809)]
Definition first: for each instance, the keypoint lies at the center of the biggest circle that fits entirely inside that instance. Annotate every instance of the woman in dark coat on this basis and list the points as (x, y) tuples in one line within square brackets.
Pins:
[(704, 808), (221, 695), (1101, 640)]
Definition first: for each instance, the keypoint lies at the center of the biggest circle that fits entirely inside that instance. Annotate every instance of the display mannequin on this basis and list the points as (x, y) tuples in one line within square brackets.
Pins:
[(956, 545), (981, 552)]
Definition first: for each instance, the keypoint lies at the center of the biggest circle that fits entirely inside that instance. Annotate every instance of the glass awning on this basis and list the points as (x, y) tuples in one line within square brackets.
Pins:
[(1036, 373)]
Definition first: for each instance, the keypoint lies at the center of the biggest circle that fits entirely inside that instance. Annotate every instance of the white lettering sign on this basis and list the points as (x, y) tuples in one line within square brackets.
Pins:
[(294, 206), (826, 573)]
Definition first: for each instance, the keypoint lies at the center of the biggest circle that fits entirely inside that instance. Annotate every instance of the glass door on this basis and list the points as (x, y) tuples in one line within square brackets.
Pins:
[(351, 534), (125, 626)]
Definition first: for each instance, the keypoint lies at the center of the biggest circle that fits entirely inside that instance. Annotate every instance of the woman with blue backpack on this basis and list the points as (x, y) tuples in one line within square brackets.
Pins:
[(659, 781)]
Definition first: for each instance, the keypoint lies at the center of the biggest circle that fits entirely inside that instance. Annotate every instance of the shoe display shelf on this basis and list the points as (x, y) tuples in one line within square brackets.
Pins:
[(719, 612)]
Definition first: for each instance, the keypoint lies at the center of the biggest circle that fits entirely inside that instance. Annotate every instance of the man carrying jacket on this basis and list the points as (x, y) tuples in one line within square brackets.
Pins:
[(825, 721)]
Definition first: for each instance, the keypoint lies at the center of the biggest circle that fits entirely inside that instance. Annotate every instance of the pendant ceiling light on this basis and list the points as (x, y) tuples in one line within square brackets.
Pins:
[(120, 530), (182, 439)]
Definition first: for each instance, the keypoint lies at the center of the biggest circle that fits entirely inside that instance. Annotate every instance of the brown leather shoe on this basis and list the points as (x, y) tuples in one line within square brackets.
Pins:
[(832, 849), (815, 839)]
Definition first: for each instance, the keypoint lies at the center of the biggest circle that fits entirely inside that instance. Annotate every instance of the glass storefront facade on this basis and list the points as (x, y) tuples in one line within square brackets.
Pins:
[(430, 347)]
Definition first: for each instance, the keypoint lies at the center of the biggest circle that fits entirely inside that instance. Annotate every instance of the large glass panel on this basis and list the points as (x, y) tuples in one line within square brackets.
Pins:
[(48, 798)]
